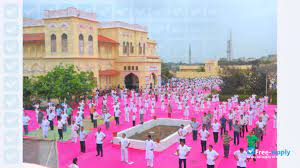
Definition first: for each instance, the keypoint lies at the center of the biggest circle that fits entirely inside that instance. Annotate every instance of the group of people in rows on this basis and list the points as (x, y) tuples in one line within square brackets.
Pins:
[(178, 96)]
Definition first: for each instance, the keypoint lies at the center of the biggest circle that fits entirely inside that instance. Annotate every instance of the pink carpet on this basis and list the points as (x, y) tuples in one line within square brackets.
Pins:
[(166, 159)]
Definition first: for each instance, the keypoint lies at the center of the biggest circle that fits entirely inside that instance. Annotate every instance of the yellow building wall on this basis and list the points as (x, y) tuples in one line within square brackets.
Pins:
[(38, 58)]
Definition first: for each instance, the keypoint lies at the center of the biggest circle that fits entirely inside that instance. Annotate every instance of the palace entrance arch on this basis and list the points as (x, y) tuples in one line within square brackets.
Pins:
[(131, 81)]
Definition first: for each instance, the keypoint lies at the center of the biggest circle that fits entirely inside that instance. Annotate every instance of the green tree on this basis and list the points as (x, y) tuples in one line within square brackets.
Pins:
[(63, 82), (28, 91), (245, 82), (165, 72)]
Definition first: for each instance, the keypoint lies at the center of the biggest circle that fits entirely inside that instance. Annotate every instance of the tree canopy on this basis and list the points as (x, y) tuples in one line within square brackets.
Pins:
[(61, 83)]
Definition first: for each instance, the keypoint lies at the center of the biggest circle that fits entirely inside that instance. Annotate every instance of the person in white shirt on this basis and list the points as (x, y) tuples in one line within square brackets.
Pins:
[(106, 118), (60, 129), (261, 125), (275, 119), (78, 120), (124, 144), (182, 152), (51, 118), (243, 123), (100, 136), (82, 137), (204, 134), (265, 119), (26, 120), (117, 115), (74, 164), (149, 148), (216, 126), (133, 119), (241, 157), (74, 133), (211, 156), (182, 133), (95, 117), (64, 118), (45, 127), (142, 111), (126, 109)]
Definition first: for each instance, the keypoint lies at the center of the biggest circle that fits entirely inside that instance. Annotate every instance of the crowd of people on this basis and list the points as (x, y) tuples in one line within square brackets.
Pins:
[(188, 96)]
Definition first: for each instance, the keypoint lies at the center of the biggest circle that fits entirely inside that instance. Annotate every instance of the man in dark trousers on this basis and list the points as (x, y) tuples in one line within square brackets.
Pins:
[(82, 137)]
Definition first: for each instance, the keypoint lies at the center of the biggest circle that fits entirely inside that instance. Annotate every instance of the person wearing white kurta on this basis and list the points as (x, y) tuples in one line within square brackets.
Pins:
[(149, 147), (211, 156), (186, 111), (241, 157), (182, 152), (275, 119), (74, 135), (124, 144), (100, 136), (126, 109), (45, 127)]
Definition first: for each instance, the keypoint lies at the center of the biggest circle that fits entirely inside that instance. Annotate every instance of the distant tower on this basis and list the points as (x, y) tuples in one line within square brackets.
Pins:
[(190, 54), (229, 47)]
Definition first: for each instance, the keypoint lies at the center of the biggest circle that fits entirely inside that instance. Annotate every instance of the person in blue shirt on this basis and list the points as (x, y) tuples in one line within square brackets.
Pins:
[(58, 111), (223, 121)]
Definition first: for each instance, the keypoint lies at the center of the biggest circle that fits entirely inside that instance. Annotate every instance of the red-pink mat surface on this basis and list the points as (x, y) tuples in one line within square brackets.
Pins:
[(166, 159)]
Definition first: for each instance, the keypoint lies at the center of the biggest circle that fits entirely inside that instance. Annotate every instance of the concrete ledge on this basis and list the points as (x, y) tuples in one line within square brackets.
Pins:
[(164, 143)]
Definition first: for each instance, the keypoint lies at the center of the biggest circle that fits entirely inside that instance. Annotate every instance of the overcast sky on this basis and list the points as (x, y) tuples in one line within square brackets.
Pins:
[(174, 24)]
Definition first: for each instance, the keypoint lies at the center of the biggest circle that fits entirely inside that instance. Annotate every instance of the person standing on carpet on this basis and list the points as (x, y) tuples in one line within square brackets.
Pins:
[(26, 120), (95, 117), (45, 127), (216, 127), (82, 137), (117, 115), (236, 132), (100, 136), (195, 125), (106, 118), (74, 164), (169, 110), (226, 146), (182, 151), (204, 134), (241, 157), (142, 111), (182, 133), (252, 140), (60, 129), (124, 144), (211, 156), (223, 121), (150, 145), (230, 119), (74, 134), (51, 118)]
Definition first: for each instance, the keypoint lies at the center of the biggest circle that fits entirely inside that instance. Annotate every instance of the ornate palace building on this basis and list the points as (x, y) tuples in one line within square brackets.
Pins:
[(117, 53)]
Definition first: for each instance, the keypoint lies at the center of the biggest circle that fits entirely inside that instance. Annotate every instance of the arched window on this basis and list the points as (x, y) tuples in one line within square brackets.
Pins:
[(91, 48), (81, 44), (64, 43), (53, 43), (124, 47), (140, 48), (144, 48), (127, 47), (130, 47)]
